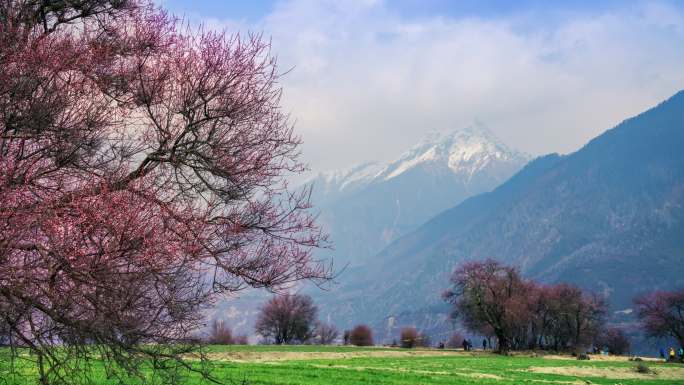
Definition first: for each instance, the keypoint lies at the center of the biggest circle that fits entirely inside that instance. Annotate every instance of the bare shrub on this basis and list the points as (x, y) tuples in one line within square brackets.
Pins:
[(361, 335), (409, 337)]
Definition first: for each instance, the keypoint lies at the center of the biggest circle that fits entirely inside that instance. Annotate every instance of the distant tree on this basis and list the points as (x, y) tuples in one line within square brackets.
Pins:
[(287, 319), (615, 340), (220, 334), (325, 333), (661, 314), (361, 335), (541, 321), (575, 317), (492, 299), (489, 294), (409, 337)]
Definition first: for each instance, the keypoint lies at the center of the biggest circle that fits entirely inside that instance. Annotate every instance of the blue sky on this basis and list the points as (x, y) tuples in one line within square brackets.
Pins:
[(253, 10), (370, 77)]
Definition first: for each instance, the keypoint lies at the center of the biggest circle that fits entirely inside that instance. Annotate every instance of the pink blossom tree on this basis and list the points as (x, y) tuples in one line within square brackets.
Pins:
[(662, 314), (490, 298), (142, 174)]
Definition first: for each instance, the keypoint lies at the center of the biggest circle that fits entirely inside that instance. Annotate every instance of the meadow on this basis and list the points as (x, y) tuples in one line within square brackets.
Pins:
[(318, 365)]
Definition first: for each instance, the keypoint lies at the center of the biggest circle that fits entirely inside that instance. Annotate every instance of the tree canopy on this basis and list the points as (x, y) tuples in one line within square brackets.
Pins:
[(142, 173)]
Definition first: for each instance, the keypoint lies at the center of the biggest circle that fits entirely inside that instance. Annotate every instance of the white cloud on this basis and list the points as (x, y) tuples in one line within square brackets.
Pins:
[(368, 83)]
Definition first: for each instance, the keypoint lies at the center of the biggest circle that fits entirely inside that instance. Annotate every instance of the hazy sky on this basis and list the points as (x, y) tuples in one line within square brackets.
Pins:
[(371, 77)]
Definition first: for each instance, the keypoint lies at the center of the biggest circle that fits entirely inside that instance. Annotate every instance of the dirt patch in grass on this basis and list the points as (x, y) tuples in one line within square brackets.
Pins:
[(596, 357), (576, 382), (417, 371), (592, 357), (246, 356), (624, 373), (461, 372)]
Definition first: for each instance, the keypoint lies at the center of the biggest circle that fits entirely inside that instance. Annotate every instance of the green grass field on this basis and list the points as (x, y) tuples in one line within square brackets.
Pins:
[(304, 365)]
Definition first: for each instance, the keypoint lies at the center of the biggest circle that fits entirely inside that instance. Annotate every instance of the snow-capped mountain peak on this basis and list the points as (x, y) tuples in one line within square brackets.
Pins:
[(367, 206), (464, 153)]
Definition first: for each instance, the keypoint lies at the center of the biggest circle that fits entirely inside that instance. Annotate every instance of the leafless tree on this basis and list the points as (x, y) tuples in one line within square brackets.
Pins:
[(325, 333), (489, 294), (287, 318)]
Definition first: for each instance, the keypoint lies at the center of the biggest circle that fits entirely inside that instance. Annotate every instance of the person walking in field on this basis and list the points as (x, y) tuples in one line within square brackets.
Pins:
[(484, 344), (465, 345), (672, 354), (680, 354), (662, 353)]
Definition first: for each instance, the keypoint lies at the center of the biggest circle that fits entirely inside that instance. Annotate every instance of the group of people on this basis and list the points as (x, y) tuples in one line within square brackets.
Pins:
[(672, 355), (468, 345)]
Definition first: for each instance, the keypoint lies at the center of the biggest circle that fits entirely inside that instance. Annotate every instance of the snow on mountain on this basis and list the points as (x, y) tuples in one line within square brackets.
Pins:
[(464, 152), (346, 178), (367, 206), (332, 185)]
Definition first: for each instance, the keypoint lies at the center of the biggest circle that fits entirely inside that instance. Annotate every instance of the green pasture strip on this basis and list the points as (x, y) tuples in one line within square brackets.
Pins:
[(458, 368), (294, 348)]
